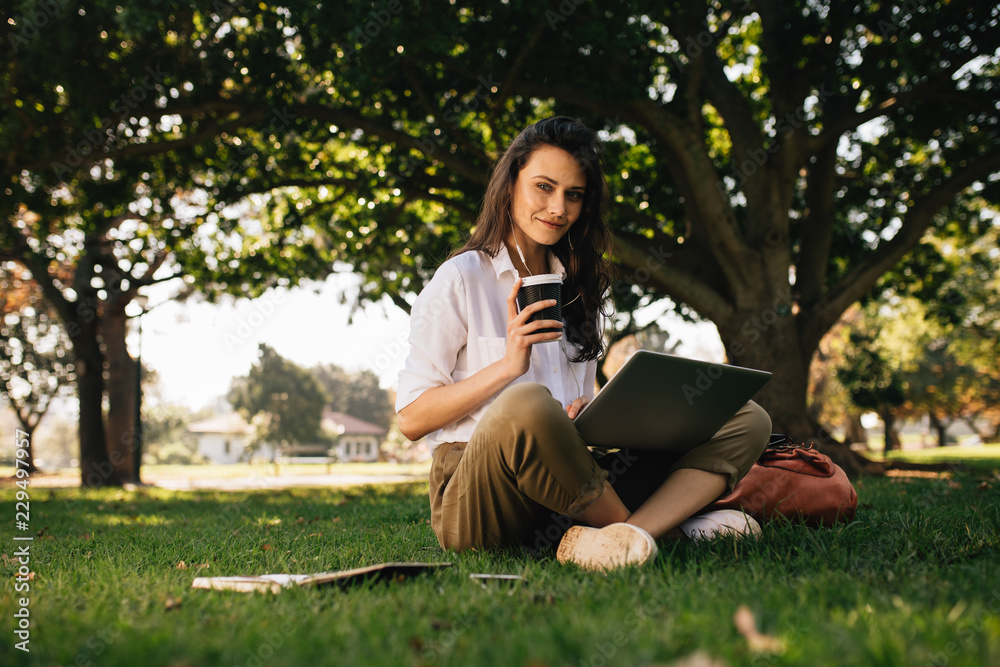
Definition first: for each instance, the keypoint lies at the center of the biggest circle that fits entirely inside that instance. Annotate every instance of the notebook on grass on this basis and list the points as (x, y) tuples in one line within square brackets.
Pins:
[(665, 402)]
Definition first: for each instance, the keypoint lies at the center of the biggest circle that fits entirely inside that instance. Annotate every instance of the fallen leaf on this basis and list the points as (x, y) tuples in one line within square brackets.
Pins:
[(172, 603), (182, 565), (699, 659), (265, 547), (746, 624)]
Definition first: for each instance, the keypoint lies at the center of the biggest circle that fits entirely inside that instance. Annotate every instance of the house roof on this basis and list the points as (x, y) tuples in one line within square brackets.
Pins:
[(233, 423), (229, 422), (345, 424)]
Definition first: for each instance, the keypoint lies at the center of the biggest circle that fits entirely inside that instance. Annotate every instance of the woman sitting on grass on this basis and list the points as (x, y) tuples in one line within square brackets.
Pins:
[(495, 396)]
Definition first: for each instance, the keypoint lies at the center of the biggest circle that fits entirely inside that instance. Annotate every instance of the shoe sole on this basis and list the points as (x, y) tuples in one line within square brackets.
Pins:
[(601, 549)]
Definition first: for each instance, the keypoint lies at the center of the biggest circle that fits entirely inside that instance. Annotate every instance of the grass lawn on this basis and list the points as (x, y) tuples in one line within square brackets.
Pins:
[(980, 457), (245, 471), (915, 580)]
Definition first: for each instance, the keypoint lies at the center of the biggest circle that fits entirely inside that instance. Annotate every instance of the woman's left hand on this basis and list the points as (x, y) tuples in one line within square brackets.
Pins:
[(573, 409)]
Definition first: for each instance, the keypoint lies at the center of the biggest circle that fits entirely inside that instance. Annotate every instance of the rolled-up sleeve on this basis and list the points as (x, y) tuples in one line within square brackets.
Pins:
[(439, 326)]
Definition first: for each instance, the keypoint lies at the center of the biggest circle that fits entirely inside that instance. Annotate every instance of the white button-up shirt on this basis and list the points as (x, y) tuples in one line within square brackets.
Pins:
[(458, 326)]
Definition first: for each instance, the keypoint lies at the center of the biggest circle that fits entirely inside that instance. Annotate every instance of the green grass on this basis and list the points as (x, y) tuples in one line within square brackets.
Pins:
[(980, 457), (913, 581), (250, 470)]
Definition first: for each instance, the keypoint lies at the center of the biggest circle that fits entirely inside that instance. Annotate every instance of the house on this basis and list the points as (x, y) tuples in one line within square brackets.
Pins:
[(222, 438), (357, 440)]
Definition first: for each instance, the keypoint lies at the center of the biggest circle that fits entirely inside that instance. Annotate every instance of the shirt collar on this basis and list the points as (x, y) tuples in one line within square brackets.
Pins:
[(502, 263)]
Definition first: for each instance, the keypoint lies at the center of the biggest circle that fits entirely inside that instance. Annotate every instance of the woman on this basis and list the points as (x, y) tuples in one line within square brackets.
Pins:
[(495, 396)]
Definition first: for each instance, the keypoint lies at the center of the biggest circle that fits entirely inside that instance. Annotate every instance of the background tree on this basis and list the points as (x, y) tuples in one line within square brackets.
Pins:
[(94, 174), (872, 382), (357, 394), (286, 394), (956, 286), (165, 434), (768, 161), (35, 367)]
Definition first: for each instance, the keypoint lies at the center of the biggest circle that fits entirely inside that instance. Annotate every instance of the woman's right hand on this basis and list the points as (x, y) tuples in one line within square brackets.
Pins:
[(521, 334)]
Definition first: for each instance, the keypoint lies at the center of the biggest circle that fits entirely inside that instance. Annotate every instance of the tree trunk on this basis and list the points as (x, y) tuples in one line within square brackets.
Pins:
[(855, 430), (892, 441), (974, 427), (767, 338), (940, 428), (95, 467), (121, 389)]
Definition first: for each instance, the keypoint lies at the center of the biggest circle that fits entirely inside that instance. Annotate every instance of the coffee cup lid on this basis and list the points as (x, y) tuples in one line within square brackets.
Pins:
[(541, 279)]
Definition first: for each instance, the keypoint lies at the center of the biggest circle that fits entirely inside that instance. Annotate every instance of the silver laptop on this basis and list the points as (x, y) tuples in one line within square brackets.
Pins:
[(668, 403)]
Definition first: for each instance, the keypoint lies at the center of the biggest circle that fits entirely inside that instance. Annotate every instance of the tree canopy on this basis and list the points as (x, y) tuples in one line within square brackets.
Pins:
[(288, 396), (769, 161)]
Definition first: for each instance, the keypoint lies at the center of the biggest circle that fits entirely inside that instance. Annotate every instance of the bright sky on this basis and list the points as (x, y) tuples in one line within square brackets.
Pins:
[(197, 347)]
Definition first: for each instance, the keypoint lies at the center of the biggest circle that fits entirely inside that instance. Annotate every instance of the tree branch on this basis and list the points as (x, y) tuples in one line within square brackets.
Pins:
[(636, 252), (920, 216), (705, 201), (817, 227), (347, 118)]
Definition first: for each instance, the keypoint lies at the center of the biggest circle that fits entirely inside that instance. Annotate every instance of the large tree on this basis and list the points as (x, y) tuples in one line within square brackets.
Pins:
[(357, 394), (93, 175), (288, 397), (34, 362), (769, 161)]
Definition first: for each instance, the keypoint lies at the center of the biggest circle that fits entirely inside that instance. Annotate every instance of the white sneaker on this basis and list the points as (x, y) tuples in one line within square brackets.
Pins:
[(613, 546), (720, 522)]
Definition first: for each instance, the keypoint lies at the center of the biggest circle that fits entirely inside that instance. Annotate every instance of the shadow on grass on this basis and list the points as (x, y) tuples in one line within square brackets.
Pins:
[(913, 575)]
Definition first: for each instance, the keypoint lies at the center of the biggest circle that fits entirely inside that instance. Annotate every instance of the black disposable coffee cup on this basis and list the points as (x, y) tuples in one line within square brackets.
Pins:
[(540, 288)]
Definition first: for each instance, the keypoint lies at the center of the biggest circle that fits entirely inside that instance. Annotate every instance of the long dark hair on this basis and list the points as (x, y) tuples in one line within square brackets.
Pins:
[(583, 251)]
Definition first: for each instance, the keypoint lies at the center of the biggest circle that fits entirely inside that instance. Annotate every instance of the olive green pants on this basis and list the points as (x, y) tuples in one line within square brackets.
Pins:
[(526, 473)]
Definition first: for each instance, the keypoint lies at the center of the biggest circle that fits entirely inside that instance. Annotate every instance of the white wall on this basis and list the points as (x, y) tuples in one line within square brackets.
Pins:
[(357, 448), (221, 447)]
